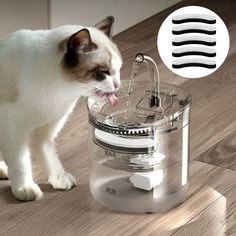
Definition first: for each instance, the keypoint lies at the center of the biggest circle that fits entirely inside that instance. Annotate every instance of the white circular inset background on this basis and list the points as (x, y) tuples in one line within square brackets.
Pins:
[(165, 39)]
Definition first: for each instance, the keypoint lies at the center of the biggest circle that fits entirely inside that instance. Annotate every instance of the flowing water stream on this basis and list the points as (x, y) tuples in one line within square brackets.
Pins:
[(130, 91)]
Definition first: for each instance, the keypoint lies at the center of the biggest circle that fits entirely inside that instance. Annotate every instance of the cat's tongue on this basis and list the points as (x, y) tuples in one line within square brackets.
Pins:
[(112, 98)]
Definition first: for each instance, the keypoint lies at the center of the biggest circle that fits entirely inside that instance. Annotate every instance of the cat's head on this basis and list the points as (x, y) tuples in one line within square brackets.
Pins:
[(93, 60)]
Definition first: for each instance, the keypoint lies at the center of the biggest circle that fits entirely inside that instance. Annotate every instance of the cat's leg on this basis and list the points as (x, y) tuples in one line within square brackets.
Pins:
[(43, 148), (3, 171), (3, 168), (15, 151)]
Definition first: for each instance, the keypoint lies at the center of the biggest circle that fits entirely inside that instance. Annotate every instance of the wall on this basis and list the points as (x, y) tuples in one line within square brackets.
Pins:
[(42, 14), (89, 12), (18, 14)]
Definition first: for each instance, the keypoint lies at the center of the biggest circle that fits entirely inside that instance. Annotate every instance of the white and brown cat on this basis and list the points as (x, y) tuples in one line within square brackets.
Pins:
[(42, 75)]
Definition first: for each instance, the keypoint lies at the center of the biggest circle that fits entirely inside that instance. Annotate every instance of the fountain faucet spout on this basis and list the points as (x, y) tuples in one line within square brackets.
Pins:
[(155, 99)]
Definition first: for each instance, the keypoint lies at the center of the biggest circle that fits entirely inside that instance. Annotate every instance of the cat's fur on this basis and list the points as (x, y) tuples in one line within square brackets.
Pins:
[(42, 75)]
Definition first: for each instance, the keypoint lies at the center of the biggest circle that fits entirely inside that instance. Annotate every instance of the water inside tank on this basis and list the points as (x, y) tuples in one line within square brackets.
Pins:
[(139, 148)]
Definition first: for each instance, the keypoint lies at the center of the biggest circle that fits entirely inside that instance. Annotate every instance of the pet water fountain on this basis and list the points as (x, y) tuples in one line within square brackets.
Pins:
[(139, 149)]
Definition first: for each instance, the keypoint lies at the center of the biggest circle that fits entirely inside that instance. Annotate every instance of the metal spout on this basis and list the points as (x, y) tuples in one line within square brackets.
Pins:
[(155, 99), (139, 58)]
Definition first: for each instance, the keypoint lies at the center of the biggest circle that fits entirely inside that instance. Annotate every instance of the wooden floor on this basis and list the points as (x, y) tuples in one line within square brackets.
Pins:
[(210, 208)]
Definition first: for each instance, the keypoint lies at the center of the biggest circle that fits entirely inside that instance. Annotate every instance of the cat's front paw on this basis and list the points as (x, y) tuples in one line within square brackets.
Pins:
[(62, 181), (28, 193), (3, 170)]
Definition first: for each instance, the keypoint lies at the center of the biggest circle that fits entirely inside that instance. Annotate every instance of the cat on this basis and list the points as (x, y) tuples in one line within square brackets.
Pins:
[(42, 75)]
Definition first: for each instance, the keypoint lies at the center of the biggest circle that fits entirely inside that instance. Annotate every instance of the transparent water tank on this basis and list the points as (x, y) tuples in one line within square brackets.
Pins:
[(139, 156)]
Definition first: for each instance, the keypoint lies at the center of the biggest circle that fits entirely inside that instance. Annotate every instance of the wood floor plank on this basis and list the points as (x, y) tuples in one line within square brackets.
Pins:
[(222, 154), (218, 219), (20, 211), (76, 213), (123, 45)]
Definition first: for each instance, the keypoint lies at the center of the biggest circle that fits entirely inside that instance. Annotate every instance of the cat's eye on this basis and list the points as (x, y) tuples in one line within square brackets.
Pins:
[(106, 72), (100, 75)]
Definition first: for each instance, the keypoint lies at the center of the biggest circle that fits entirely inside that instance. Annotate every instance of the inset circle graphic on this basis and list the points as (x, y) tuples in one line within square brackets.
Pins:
[(193, 42)]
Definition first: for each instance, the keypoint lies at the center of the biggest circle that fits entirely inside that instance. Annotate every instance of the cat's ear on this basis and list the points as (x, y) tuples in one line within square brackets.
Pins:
[(81, 42), (106, 26)]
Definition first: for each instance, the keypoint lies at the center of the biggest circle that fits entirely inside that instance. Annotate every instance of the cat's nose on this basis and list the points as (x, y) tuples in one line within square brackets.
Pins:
[(116, 85)]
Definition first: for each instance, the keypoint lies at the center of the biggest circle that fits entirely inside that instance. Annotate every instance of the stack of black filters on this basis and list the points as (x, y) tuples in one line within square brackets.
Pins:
[(194, 40)]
